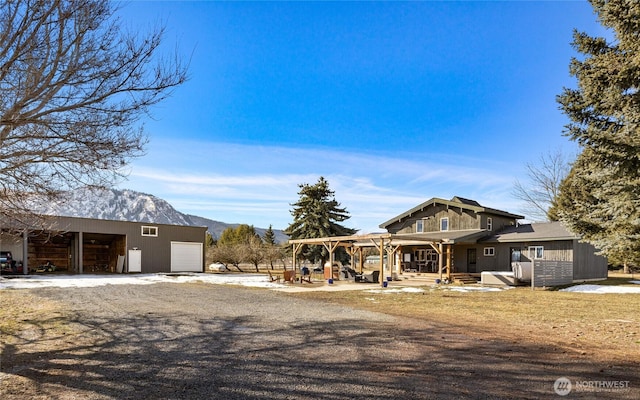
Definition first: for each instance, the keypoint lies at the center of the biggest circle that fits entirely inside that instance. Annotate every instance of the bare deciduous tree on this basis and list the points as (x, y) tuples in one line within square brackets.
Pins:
[(229, 254), (539, 193), (73, 87), (273, 253)]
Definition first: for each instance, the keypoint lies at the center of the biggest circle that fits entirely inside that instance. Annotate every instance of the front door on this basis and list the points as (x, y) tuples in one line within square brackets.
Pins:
[(472, 260)]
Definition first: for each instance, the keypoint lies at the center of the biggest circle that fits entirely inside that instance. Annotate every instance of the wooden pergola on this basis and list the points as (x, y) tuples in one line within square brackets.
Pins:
[(386, 243)]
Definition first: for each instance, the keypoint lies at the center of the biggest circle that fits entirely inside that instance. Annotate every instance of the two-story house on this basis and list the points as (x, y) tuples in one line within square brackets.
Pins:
[(457, 222)]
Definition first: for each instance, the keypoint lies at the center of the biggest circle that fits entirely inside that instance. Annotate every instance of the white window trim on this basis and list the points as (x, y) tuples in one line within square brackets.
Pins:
[(152, 231), (443, 220), (419, 226), (489, 223), (534, 254), (489, 251)]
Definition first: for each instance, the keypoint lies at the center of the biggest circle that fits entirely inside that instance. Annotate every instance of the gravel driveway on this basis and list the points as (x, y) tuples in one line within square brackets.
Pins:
[(199, 341)]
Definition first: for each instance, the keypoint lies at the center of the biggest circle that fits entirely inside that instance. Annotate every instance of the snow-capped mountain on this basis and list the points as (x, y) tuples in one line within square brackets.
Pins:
[(129, 205)]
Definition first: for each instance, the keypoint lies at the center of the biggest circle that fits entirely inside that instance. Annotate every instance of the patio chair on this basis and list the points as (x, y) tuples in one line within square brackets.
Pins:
[(373, 277), (349, 274), (273, 278), (305, 275), (290, 276)]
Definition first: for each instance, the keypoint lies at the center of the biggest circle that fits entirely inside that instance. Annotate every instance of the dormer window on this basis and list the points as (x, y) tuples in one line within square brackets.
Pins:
[(419, 226), (444, 224), (489, 224)]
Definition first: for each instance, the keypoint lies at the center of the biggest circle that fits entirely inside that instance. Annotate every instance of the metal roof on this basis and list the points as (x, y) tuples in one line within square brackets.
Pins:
[(540, 232), (403, 239)]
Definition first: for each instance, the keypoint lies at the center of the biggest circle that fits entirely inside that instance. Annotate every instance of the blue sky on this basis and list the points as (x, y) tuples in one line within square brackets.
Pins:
[(392, 102)]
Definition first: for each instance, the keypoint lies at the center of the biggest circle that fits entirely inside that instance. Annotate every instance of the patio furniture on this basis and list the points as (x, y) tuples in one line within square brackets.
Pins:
[(373, 277), (274, 277), (305, 275), (349, 274), (290, 276)]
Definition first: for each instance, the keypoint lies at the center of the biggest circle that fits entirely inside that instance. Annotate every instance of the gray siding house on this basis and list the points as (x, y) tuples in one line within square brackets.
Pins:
[(84, 245), (477, 239), (457, 224), (557, 256)]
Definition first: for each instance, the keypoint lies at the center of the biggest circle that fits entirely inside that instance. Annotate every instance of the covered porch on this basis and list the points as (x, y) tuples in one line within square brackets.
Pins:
[(417, 253)]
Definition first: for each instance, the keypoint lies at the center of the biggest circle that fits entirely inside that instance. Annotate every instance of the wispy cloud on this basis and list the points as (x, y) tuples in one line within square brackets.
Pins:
[(257, 184)]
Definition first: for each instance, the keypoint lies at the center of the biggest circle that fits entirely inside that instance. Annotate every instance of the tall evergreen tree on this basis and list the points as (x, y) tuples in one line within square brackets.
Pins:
[(272, 250), (317, 214), (269, 236), (600, 198)]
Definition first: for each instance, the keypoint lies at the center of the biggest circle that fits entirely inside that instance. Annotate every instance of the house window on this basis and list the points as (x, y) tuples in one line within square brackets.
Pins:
[(489, 224), (489, 251), (444, 224), (150, 231), (536, 252), (419, 226)]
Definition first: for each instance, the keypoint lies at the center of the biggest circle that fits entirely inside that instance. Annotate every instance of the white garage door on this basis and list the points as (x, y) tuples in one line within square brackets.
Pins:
[(186, 257)]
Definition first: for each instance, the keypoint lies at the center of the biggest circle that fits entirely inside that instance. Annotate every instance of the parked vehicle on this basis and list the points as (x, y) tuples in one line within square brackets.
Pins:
[(8, 265), (218, 267), (48, 267)]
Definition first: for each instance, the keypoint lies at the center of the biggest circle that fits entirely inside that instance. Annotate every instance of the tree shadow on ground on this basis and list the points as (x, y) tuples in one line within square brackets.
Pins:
[(182, 356)]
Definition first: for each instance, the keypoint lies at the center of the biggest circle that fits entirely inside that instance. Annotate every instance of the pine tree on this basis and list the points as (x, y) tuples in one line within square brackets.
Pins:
[(317, 214), (272, 250), (600, 198), (270, 236)]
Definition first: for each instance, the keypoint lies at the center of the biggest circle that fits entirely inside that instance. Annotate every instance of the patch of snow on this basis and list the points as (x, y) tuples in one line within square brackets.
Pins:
[(636, 282), (601, 289), (467, 289), (397, 290), (78, 281)]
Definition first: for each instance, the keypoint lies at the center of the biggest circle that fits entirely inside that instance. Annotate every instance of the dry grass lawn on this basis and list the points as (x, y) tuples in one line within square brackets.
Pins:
[(603, 326)]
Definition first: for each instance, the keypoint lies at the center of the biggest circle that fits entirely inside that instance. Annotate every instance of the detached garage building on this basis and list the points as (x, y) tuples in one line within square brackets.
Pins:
[(85, 245)]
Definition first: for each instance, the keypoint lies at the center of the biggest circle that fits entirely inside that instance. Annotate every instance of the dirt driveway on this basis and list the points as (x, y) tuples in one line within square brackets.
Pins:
[(200, 341)]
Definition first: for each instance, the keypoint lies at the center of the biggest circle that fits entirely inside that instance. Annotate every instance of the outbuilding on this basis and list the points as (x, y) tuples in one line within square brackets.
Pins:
[(86, 245)]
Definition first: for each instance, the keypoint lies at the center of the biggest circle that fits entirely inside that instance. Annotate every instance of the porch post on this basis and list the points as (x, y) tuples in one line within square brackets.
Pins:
[(449, 262), (296, 247), (330, 248), (331, 263), (392, 258), (360, 261), (25, 252), (80, 251), (381, 262), (440, 260), (352, 254)]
